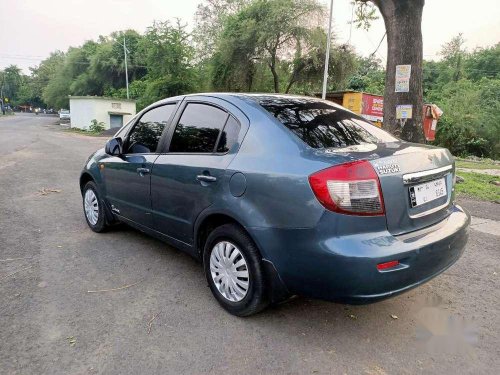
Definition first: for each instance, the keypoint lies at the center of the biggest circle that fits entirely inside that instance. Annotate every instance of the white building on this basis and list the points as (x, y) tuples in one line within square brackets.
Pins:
[(114, 113)]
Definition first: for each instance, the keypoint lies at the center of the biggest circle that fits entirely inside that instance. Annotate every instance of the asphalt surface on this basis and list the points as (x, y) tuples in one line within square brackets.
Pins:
[(51, 324)]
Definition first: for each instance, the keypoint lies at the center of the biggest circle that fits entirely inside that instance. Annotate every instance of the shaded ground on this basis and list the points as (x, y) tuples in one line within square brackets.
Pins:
[(50, 324)]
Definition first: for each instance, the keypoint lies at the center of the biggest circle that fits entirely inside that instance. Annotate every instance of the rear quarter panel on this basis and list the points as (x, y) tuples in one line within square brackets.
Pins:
[(276, 169)]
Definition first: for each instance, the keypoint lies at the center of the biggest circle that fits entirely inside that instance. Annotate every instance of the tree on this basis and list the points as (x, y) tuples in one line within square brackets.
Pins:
[(11, 81), (210, 17), (45, 72), (454, 54), (403, 20), (483, 62), (369, 77), (269, 33), (166, 52)]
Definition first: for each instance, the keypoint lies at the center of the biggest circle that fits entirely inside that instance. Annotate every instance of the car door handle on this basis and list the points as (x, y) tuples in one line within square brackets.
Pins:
[(206, 178), (143, 171)]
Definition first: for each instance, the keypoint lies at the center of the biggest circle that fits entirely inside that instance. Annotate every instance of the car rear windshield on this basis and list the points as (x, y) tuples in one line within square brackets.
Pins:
[(322, 125)]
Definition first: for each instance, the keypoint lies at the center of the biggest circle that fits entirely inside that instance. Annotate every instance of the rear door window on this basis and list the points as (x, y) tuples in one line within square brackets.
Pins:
[(198, 129), (229, 136), (321, 125)]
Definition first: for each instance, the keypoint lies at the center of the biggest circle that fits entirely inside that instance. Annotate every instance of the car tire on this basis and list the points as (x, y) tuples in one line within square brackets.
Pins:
[(238, 245), (97, 221)]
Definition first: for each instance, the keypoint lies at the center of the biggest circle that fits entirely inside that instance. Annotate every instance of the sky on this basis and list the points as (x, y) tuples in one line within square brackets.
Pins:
[(31, 29)]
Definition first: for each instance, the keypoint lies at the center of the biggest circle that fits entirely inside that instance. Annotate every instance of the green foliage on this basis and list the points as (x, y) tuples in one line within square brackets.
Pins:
[(365, 13), (276, 46), (168, 55), (454, 54), (478, 185), (470, 125), (265, 46), (369, 76), (466, 87), (483, 62), (96, 126)]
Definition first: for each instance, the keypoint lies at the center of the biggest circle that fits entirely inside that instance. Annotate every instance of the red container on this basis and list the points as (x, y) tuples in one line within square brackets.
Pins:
[(432, 113)]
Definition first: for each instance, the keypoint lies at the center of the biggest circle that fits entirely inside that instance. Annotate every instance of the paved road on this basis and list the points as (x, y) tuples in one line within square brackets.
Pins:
[(50, 324)]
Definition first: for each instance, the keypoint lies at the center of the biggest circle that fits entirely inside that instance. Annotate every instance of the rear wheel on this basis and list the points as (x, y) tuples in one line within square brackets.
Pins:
[(234, 271), (93, 208)]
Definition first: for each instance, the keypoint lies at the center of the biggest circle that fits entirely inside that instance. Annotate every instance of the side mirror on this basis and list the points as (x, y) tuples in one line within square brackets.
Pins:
[(114, 147)]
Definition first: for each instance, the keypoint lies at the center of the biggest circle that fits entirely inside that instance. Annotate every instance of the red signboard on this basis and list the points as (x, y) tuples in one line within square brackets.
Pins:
[(373, 107)]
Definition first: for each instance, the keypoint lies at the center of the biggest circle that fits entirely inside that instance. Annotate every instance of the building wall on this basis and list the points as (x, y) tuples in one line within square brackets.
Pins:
[(84, 110)]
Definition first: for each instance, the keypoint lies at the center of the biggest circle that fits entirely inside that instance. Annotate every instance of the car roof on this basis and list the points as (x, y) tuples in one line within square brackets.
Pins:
[(250, 98)]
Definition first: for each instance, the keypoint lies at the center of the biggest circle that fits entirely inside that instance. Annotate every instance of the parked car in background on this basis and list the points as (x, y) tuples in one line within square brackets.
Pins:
[(64, 114), (280, 195)]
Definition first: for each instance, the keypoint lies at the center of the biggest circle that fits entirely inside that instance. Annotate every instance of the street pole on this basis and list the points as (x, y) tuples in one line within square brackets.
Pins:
[(327, 57), (126, 69), (2, 108)]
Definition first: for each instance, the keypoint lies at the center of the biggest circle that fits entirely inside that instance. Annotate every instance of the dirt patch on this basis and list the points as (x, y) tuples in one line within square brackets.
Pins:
[(489, 172)]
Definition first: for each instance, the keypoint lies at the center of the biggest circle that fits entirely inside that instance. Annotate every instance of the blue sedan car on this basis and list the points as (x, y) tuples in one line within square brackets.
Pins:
[(280, 195)]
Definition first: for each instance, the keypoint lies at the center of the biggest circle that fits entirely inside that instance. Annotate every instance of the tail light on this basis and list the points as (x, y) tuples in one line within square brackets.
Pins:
[(351, 188)]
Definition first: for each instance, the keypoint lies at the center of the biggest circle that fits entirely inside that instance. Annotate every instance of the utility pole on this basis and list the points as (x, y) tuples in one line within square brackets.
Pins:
[(327, 57), (2, 107), (126, 69)]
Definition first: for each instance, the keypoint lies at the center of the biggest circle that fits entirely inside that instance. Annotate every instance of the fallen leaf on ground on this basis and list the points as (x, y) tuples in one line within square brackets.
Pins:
[(46, 191), (71, 340), (113, 289), (394, 316), (150, 323)]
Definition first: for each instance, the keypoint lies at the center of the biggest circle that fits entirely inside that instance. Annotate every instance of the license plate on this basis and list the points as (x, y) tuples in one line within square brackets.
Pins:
[(427, 192)]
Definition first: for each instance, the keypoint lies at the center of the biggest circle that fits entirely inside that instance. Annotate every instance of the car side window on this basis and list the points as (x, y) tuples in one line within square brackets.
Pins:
[(147, 132), (198, 129), (229, 136), (124, 129)]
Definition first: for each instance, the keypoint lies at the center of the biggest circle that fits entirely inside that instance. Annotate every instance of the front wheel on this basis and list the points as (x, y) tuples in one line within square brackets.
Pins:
[(93, 208), (234, 271)]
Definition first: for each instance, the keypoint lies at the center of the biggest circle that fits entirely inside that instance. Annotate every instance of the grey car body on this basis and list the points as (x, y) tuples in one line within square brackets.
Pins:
[(262, 183)]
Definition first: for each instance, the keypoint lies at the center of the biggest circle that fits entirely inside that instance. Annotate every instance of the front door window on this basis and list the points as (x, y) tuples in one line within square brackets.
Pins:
[(146, 134)]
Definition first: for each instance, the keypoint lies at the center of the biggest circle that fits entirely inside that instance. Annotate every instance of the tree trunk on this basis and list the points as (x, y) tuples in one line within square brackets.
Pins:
[(289, 86), (403, 20), (272, 66)]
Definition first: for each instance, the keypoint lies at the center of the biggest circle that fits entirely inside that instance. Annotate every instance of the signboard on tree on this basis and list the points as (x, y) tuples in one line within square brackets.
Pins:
[(403, 74)]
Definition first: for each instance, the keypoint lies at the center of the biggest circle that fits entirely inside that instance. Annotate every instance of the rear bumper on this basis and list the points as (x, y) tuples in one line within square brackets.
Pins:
[(344, 268)]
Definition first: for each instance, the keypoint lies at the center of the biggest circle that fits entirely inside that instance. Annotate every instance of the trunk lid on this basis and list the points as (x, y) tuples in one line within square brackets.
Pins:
[(405, 170)]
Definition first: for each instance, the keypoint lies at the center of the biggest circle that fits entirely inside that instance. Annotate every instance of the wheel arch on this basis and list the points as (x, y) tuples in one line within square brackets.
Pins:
[(84, 178), (278, 290), (209, 222)]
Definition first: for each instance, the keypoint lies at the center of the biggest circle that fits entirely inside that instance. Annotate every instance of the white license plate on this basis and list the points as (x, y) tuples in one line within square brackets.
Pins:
[(424, 193)]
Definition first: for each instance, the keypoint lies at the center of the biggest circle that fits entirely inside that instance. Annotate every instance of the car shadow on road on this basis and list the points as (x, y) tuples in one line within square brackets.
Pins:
[(305, 312)]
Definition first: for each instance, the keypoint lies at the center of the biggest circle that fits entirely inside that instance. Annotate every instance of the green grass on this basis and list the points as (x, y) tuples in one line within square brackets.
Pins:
[(83, 132), (476, 165), (478, 186)]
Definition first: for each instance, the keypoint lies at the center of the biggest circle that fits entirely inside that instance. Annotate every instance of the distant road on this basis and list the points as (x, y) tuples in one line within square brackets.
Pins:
[(21, 130)]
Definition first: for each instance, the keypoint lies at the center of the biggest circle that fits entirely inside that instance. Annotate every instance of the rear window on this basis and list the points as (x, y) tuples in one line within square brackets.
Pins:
[(322, 125)]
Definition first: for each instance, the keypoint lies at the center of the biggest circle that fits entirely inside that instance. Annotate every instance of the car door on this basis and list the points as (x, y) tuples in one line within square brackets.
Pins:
[(128, 177), (186, 179)]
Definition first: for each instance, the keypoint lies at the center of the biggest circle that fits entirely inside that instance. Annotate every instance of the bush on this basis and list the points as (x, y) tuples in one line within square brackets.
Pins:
[(460, 139), (471, 121), (96, 127)]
